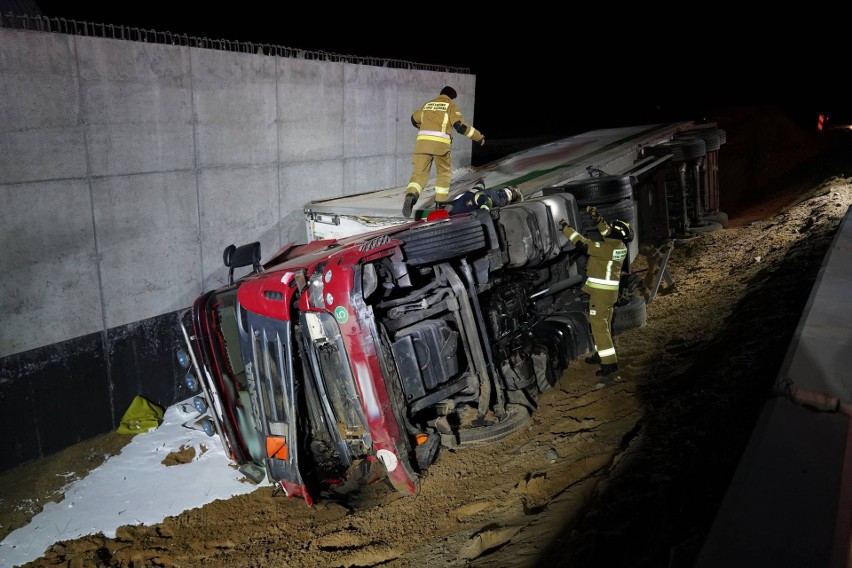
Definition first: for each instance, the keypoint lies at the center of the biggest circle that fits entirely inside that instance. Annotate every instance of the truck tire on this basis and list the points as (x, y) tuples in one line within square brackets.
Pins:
[(629, 316), (704, 227), (711, 137), (594, 191), (434, 242), (516, 417), (716, 217), (682, 149), (624, 210)]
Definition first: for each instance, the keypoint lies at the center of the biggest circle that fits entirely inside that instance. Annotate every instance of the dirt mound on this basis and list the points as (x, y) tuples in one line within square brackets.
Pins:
[(767, 156)]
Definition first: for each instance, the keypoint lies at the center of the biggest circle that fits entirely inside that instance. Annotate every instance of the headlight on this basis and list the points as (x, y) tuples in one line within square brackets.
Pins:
[(315, 293)]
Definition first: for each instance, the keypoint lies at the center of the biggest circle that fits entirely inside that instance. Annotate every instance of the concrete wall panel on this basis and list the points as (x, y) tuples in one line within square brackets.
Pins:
[(36, 53), (140, 148), (238, 206), (463, 146), (148, 235), (402, 169), (50, 289), (40, 136), (39, 101), (367, 174), (369, 111), (462, 152), (137, 105), (42, 154), (300, 184), (234, 97), (310, 110), (120, 61), (39, 87)]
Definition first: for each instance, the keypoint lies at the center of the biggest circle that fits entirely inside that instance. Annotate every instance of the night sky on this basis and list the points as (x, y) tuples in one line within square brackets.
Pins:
[(541, 71)]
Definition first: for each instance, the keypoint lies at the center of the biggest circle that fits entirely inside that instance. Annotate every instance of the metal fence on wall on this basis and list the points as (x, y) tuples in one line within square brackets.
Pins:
[(111, 31)]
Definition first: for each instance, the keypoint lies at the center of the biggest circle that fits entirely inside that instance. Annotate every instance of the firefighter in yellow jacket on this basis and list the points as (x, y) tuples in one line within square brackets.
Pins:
[(435, 122), (603, 275)]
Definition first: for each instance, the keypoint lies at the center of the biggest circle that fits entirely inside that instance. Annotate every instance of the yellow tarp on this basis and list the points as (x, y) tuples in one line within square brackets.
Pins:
[(142, 416)]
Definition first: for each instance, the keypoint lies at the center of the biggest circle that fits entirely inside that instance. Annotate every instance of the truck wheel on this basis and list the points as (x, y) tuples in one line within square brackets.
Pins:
[(682, 149), (594, 191), (624, 210), (716, 217), (516, 417), (629, 316), (711, 137), (434, 242), (704, 227)]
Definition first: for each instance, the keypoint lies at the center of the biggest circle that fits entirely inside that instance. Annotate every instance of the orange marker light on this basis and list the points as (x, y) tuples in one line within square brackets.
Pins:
[(276, 447)]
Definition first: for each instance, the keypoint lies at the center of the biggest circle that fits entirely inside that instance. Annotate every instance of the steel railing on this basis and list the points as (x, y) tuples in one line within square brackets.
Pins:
[(111, 31)]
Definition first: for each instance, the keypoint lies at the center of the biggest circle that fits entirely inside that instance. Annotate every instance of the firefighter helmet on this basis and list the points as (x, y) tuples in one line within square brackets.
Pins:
[(622, 231)]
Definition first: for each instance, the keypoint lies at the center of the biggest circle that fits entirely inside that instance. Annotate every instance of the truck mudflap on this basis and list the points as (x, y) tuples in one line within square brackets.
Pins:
[(295, 490), (399, 471)]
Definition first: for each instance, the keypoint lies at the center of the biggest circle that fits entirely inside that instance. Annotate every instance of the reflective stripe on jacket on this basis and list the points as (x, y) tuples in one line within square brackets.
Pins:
[(605, 259), (435, 121)]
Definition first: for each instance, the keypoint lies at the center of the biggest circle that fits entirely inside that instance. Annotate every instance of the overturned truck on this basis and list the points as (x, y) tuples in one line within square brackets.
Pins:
[(349, 358)]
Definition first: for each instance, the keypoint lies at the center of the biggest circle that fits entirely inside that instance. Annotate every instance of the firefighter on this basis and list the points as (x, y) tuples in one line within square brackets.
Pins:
[(477, 197), (435, 122), (603, 274)]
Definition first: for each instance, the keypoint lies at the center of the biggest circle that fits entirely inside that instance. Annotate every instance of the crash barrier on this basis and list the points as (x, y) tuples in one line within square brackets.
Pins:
[(789, 503)]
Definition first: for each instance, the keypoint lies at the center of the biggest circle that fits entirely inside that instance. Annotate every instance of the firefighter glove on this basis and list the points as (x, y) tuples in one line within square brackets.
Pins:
[(562, 224), (482, 141), (593, 211)]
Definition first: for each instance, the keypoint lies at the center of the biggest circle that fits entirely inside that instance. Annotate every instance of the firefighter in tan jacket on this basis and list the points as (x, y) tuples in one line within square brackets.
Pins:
[(603, 275), (435, 122)]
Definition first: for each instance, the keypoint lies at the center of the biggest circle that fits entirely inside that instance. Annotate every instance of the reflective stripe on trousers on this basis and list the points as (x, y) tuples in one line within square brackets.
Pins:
[(601, 304)]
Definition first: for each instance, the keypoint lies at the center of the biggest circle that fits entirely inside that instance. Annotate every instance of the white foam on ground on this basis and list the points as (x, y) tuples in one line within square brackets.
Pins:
[(133, 488)]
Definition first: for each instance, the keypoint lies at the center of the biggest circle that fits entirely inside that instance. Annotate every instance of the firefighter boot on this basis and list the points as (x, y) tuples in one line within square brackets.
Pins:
[(408, 205), (517, 196), (594, 359), (607, 369)]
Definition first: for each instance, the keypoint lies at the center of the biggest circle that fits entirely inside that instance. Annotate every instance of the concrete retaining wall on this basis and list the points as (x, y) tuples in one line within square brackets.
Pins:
[(125, 170)]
